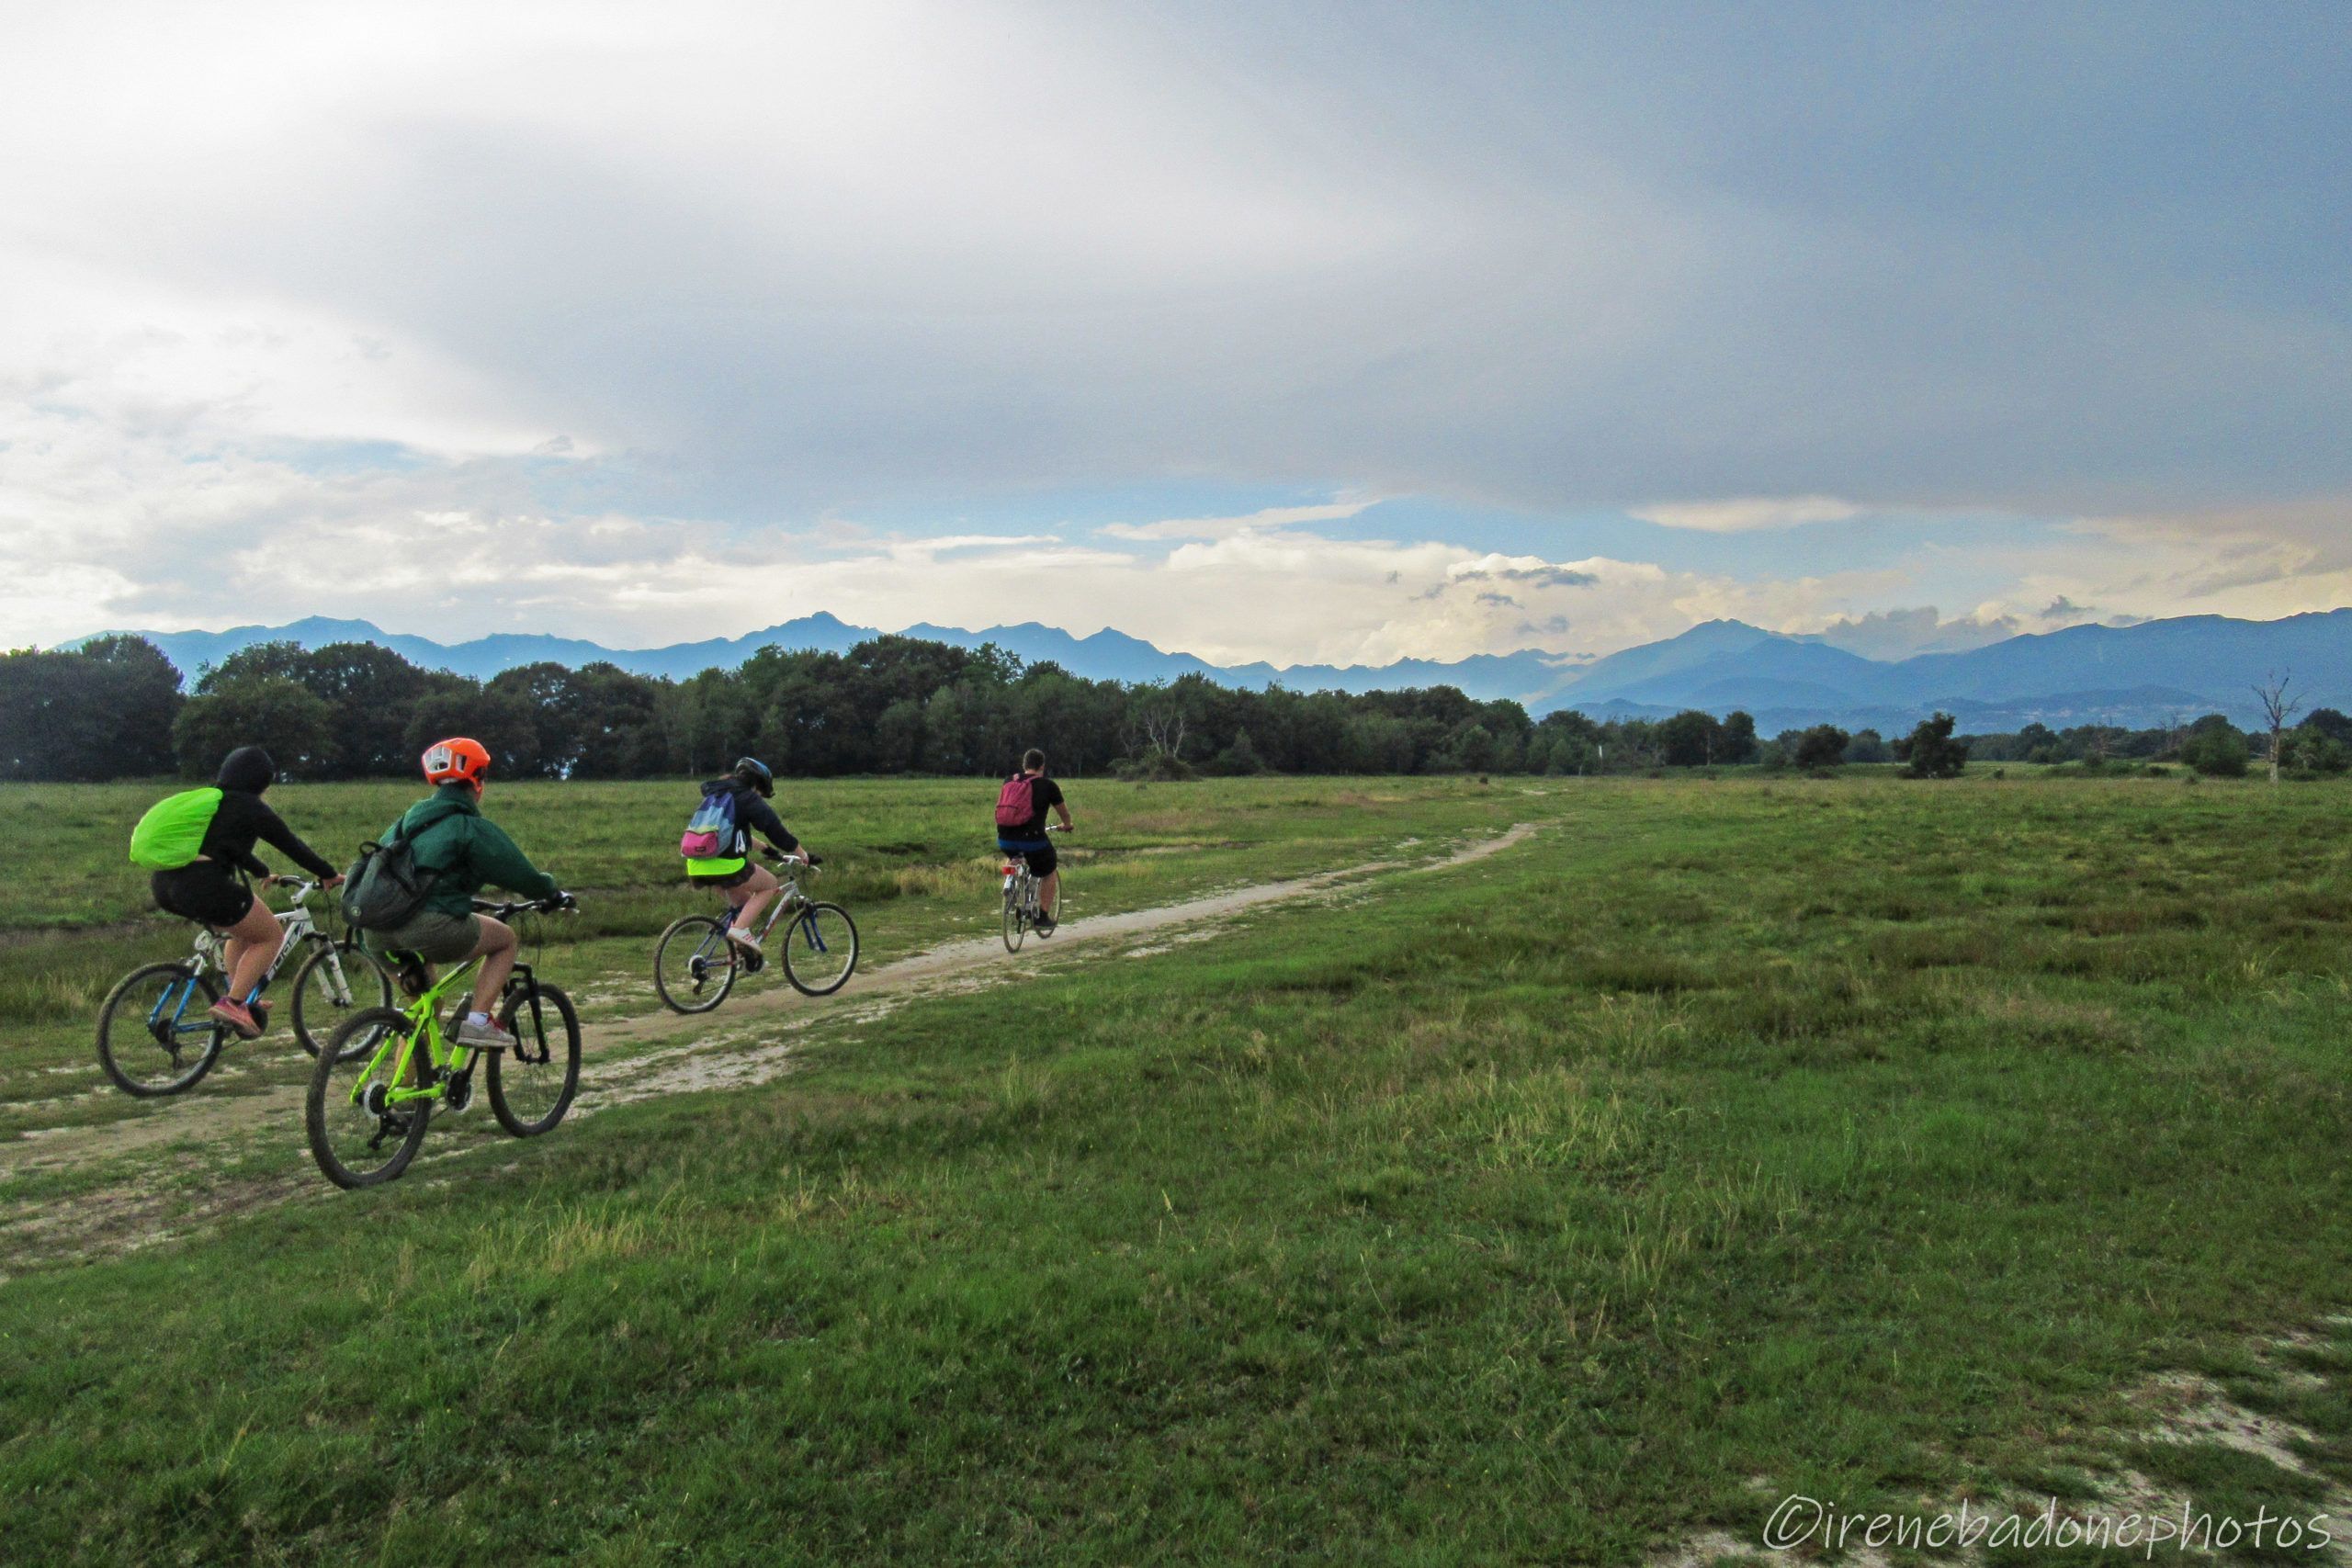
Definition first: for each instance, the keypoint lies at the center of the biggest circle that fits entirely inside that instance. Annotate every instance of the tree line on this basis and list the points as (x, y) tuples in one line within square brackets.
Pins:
[(115, 708)]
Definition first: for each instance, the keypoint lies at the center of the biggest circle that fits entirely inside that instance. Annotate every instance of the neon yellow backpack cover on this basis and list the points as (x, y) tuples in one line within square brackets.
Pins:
[(172, 833)]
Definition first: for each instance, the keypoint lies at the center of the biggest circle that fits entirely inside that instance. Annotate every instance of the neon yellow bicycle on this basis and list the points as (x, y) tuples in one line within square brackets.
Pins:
[(375, 1088)]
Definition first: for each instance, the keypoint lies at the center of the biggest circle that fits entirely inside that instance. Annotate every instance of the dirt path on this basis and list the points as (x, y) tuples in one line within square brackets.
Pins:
[(752, 1040)]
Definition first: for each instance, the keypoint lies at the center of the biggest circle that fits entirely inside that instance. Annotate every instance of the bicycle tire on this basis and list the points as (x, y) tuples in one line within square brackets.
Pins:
[(820, 918), (1016, 919), (333, 1099), (357, 965), (555, 1009), (717, 979), (117, 1057)]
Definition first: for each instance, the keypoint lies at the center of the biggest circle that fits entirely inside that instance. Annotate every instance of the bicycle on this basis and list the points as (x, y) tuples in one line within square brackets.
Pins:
[(388, 1067), (150, 1046), (1021, 914), (695, 966)]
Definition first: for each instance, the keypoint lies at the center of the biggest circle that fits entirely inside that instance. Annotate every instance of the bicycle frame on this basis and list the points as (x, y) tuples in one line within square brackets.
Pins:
[(448, 1060), (788, 897), (299, 926), (445, 1059)]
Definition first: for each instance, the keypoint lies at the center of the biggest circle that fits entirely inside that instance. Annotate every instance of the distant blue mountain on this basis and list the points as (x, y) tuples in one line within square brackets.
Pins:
[(2139, 675)]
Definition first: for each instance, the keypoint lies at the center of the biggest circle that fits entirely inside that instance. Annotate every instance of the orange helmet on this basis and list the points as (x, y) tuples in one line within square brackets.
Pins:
[(458, 760)]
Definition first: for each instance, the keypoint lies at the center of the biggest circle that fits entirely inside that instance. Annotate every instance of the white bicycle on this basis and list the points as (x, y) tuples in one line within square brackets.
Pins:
[(1022, 912), (155, 1033)]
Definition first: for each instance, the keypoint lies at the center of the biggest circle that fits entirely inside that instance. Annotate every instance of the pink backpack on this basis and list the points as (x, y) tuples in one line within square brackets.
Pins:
[(1016, 802)]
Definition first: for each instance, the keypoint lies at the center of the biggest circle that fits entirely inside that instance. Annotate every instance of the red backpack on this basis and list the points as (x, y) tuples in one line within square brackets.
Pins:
[(1016, 802)]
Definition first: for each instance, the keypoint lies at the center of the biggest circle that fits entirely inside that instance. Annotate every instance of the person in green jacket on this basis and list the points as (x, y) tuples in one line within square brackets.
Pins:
[(465, 851)]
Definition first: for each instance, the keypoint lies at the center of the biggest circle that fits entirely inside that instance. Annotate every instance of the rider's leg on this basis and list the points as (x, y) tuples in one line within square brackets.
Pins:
[(252, 943), (751, 897), (496, 949), (1049, 892)]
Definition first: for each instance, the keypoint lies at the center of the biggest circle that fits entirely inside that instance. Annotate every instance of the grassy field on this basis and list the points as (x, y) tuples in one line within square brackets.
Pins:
[(1884, 1142)]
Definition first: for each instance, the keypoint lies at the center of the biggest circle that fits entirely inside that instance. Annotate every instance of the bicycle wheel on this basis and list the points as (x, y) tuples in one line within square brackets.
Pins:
[(820, 949), (1016, 915), (358, 1137), (531, 1085), (693, 965), (156, 1034), (317, 1011)]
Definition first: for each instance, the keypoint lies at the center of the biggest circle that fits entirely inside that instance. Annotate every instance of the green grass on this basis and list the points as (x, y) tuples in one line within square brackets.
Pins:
[(1873, 1138)]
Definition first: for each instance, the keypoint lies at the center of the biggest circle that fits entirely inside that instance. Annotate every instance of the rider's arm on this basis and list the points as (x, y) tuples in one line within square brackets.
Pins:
[(499, 863), (761, 818), (271, 829)]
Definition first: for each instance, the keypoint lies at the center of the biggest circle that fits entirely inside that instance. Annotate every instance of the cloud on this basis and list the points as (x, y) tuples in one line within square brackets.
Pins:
[(665, 292), (1900, 634), (1223, 527), (1738, 516)]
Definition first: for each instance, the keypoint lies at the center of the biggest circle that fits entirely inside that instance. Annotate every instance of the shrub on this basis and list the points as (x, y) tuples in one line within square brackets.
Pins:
[(2217, 753)]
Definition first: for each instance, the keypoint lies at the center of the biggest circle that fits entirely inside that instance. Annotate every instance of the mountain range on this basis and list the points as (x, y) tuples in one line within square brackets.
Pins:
[(2152, 672)]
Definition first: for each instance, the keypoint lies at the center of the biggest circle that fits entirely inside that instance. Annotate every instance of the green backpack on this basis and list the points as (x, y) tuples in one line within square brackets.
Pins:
[(172, 833)]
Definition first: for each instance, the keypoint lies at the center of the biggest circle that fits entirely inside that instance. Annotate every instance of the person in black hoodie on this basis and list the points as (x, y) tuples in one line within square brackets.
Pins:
[(208, 889)]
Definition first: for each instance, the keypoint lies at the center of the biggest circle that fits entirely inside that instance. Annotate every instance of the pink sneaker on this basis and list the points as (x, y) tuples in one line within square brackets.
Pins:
[(237, 1017)]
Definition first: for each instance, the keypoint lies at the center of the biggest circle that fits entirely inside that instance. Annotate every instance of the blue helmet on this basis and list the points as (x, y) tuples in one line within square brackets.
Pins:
[(756, 774)]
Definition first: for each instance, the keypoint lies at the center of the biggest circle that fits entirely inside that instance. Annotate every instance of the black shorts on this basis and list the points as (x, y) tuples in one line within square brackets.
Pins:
[(205, 892), (1038, 852)]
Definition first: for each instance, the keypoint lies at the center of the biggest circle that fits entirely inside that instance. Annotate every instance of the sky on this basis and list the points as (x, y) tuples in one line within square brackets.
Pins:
[(1280, 331)]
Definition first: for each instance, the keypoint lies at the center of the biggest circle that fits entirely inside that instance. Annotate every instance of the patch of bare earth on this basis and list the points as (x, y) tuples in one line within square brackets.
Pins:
[(2176, 1407)]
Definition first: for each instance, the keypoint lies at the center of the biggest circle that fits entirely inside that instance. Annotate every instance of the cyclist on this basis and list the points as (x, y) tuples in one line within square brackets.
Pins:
[(747, 787), (207, 891), (464, 851), (1020, 808)]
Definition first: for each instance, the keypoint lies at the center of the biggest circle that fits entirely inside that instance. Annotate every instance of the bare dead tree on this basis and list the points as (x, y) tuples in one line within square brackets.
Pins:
[(2276, 707), (1164, 730)]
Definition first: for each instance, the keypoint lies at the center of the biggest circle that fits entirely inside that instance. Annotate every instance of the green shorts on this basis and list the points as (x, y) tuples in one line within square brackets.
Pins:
[(433, 936)]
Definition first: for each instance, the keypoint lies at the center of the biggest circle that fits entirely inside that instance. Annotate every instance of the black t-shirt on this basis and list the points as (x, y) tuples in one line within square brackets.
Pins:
[(1044, 795)]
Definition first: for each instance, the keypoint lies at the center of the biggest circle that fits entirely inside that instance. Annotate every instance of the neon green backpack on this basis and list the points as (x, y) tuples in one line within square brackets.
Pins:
[(172, 833)]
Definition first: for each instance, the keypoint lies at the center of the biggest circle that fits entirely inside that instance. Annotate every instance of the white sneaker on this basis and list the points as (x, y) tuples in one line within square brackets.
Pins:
[(743, 939), (483, 1036)]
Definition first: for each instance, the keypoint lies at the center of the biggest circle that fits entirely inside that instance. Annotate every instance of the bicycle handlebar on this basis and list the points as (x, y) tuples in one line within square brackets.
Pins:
[(560, 903)]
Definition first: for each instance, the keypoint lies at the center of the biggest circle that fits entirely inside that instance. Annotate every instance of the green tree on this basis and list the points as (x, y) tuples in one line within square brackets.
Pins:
[(1823, 745), (1739, 738), (87, 715), (1930, 750), (2216, 749), (281, 715), (369, 692), (1691, 739), (1868, 746)]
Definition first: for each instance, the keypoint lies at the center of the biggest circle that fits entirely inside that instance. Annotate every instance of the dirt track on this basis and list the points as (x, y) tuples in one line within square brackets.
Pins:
[(752, 1040)]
